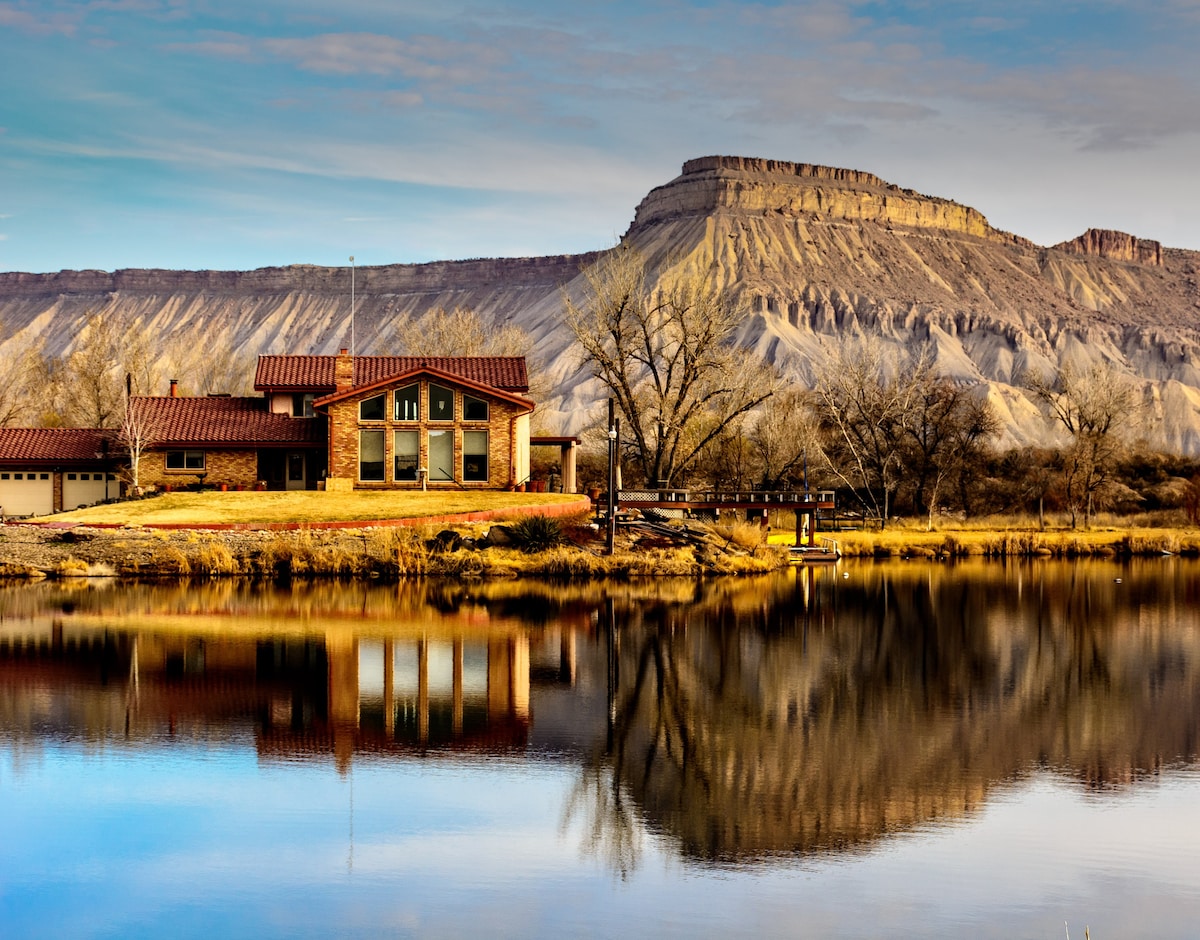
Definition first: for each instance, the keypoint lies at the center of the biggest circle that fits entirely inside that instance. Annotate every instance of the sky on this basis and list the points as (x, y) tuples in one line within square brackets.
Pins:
[(236, 134)]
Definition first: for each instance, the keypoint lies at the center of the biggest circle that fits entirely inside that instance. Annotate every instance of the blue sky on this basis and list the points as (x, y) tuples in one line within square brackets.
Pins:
[(233, 134)]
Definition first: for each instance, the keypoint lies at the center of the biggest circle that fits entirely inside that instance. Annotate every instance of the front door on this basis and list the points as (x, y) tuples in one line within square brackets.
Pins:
[(297, 478)]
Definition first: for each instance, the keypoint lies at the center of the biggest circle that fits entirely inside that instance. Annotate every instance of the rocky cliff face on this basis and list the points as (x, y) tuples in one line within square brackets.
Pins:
[(815, 251), (1104, 243), (801, 190)]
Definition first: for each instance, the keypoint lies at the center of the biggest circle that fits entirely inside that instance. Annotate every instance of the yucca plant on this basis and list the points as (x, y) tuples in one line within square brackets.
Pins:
[(537, 533)]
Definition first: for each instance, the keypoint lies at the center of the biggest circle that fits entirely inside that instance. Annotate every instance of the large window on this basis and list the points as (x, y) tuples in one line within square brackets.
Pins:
[(441, 455), (371, 409), (441, 403), (407, 452), (474, 409), (370, 456), (475, 456), (185, 460), (408, 403), (302, 405)]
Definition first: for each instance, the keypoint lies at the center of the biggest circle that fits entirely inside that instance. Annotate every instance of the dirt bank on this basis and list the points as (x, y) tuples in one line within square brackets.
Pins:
[(477, 550)]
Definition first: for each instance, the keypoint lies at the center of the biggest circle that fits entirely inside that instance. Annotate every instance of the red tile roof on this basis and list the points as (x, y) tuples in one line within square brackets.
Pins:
[(450, 378), (316, 373), (220, 419), (54, 445)]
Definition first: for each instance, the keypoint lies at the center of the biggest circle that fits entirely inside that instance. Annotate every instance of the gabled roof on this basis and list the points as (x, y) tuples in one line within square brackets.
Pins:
[(316, 373), (425, 370), (46, 446), (220, 419)]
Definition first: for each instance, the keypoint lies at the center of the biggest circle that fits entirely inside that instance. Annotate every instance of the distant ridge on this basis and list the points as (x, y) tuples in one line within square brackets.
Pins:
[(814, 251)]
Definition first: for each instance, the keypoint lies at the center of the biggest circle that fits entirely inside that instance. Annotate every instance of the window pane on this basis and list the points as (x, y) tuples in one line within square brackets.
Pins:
[(475, 456), (408, 403), (407, 454), (174, 460), (193, 459), (441, 403), (474, 409), (370, 455), (371, 409), (441, 455)]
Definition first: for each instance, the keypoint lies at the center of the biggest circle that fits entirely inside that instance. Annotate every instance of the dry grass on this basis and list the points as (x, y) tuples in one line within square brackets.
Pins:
[(1017, 538), (745, 535), (303, 506)]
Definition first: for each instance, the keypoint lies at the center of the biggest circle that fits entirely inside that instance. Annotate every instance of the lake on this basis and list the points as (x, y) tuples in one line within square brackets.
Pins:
[(860, 750)]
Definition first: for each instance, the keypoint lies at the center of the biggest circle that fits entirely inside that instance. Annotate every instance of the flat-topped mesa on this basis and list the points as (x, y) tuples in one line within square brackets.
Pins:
[(1117, 246), (804, 190)]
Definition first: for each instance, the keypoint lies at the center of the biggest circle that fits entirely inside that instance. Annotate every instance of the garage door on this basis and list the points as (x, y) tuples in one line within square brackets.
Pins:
[(26, 493), (84, 489)]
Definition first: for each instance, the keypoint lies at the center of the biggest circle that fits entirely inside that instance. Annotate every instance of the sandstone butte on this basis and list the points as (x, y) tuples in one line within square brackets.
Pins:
[(814, 251)]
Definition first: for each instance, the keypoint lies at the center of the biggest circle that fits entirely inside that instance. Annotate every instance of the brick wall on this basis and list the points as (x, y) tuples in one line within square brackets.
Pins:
[(232, 467), (344, 426)]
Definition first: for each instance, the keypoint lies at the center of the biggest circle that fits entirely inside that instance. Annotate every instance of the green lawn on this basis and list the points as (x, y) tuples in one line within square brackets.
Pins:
[(301, 506)]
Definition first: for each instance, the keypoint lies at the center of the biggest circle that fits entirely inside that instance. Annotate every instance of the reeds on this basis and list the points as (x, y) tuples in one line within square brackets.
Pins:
[(1020, 543)]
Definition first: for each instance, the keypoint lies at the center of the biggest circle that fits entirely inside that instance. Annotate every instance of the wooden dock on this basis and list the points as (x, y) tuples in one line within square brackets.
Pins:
[(807, 505)]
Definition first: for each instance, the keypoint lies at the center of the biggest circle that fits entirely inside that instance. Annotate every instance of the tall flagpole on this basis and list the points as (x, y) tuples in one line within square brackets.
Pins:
[(352, 305)]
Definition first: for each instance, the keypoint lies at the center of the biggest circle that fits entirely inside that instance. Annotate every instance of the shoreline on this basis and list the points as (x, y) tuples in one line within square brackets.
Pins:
[(354, 551), (465, 549)]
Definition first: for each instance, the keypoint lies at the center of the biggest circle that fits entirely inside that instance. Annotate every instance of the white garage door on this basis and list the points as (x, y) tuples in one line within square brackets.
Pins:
[(83, 489), (26, 493)]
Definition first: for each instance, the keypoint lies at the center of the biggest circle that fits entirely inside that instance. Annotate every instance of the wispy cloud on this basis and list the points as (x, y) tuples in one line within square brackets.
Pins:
[(33, 20)]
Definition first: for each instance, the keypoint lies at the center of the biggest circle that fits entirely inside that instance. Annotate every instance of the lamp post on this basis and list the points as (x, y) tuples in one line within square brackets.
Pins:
[(614, 429), (352, 305)]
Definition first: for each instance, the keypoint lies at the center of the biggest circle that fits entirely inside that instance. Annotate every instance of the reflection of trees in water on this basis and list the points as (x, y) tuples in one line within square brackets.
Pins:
[(823, 715)]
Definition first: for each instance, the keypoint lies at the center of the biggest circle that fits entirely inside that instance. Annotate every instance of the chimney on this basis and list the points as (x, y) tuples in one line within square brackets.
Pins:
[(174, 393), (343, 370)]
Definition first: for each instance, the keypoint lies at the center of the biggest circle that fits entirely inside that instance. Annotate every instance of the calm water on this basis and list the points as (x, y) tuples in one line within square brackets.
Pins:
[(860, 751)]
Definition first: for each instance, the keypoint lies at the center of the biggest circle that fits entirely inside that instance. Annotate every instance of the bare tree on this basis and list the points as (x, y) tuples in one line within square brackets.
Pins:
[(1094, 407), (458, 332), (22, 379), (666, 355), (945, 434), (188, 355), (109, 355), (783, 434), (864, 399), (138, 433)]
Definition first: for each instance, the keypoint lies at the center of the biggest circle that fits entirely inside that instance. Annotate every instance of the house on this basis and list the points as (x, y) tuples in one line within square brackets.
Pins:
[(409, 421), (335, 422), (223, 440), (45, 470)]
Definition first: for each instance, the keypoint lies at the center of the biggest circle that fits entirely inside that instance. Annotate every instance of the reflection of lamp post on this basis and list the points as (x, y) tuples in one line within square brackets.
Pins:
[(352, 305), (613, 430)]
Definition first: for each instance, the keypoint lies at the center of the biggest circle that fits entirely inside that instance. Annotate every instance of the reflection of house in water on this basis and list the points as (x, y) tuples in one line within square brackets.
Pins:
[(296, 697)]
